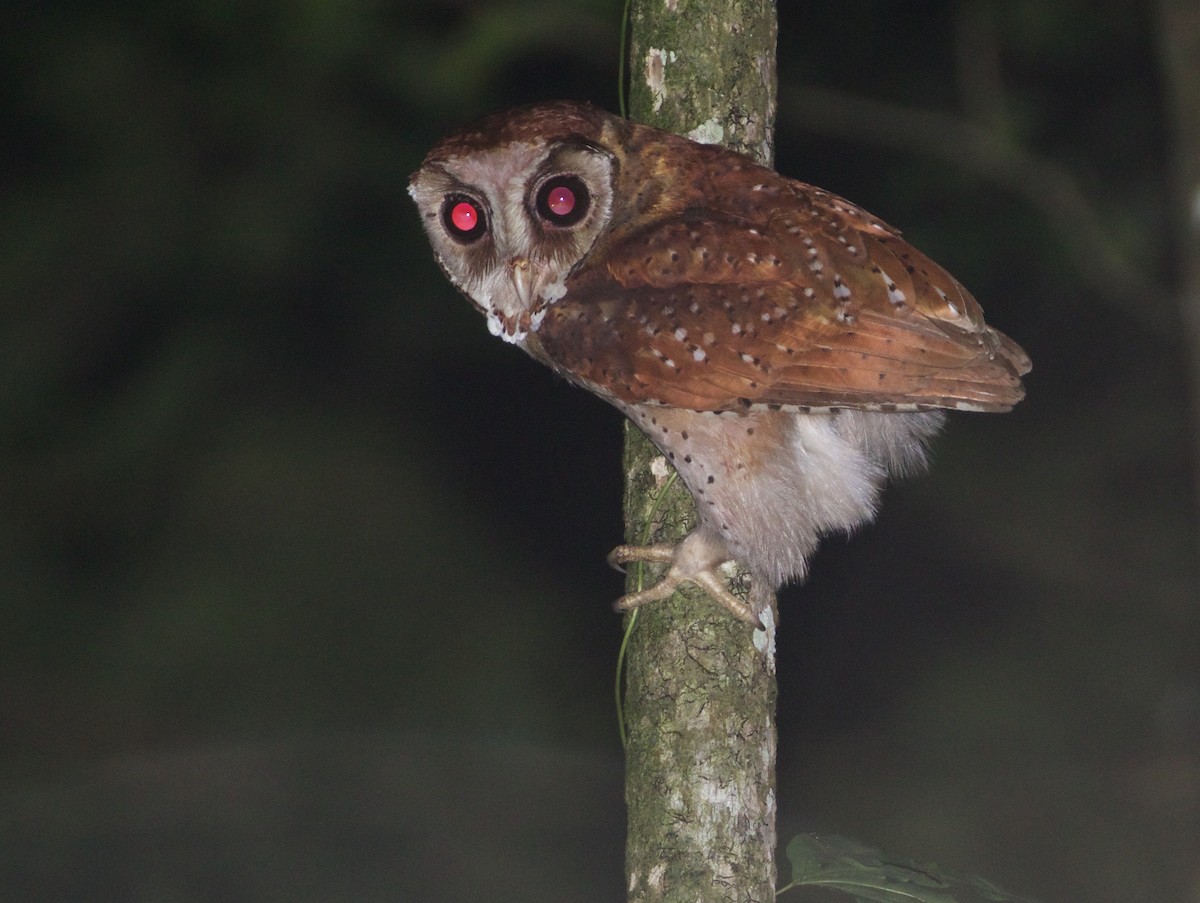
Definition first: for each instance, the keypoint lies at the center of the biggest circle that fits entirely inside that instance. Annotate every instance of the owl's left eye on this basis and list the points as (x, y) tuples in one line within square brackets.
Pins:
[(563, 200), (463, 218)]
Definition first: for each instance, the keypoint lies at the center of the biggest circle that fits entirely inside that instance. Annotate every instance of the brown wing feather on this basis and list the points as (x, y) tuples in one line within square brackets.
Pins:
[(810, 304)]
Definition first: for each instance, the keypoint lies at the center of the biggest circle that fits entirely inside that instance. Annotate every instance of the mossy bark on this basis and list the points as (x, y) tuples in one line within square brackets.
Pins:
[(700, 691)]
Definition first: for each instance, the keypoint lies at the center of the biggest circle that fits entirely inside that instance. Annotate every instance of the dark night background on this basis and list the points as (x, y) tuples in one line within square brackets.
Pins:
[(302, 581)]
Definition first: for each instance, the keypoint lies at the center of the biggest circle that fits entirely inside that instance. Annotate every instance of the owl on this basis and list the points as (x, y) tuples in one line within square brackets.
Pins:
[(784, 349)]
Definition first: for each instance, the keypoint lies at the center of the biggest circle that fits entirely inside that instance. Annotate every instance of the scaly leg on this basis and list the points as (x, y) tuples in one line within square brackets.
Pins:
[(694, 560)]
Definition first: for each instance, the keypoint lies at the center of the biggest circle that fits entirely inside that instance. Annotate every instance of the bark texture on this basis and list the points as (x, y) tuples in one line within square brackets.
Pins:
[(700, 692)]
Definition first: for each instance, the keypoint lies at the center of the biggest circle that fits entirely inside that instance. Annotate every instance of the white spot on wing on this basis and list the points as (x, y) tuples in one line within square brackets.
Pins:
[(894, 294)]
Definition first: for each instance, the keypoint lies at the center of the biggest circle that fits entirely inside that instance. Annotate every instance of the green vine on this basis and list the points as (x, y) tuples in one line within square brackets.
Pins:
[(639, 577), (624, 51)]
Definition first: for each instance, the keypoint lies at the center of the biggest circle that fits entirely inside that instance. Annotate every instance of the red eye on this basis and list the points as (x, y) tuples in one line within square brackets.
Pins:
[(463, 218), (563, 200)]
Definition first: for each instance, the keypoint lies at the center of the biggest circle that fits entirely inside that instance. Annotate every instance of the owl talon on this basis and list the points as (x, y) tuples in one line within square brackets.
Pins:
[(659, 553), (706, 578)]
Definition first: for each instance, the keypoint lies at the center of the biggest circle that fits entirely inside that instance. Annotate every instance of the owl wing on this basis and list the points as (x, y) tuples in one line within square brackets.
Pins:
[(816, 305)]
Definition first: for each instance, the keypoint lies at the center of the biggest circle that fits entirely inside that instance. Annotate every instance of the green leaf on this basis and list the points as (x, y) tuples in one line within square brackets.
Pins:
[(866, 874)]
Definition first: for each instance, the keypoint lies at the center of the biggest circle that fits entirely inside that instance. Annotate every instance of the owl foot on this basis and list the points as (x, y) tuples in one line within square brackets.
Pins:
[(685, 567)]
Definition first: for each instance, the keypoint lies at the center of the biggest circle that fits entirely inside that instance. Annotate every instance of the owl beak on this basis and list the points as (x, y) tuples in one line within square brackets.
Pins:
[(523, 280)]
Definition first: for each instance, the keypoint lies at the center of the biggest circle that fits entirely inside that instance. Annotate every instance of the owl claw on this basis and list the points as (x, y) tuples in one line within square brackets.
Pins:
[(706, 578), (659, 553)]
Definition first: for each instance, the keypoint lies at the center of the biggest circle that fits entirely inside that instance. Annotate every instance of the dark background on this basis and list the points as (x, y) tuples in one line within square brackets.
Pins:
[(302, 588)]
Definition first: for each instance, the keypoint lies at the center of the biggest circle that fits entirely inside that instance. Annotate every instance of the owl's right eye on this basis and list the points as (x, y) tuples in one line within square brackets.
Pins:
[(463, 218)]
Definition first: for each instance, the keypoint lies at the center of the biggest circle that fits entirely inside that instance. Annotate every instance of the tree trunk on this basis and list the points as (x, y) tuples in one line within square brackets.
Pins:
[(700, 692)]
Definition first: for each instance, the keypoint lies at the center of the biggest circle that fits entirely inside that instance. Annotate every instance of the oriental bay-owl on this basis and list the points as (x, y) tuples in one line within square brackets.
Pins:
[(784, 349)]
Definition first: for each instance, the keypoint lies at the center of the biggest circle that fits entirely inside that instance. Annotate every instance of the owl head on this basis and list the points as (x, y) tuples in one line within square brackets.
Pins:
[(514, 203)]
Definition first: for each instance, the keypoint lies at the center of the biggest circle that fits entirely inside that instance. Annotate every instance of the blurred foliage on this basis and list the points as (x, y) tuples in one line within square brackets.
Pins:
[(869, 876), (266, 480)]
